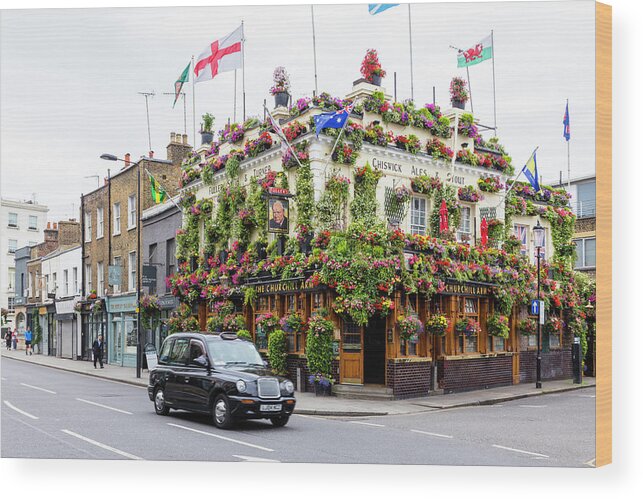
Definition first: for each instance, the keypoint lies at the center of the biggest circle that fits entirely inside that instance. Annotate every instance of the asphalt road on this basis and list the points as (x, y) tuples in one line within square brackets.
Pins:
[(47, 413)]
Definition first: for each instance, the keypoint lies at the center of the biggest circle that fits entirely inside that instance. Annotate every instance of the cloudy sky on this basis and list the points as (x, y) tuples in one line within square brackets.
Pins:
[(70, 78)]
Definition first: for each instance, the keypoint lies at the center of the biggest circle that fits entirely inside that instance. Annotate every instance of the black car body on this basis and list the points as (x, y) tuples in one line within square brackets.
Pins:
[(218, 374)]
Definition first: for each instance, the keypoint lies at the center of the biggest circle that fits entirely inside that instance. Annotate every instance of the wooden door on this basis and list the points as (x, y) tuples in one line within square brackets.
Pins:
[(351, 356)]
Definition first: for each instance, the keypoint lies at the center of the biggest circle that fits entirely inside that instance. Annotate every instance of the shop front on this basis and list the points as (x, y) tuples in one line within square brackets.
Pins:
[(94, 323), (67, 328), (122, 337)]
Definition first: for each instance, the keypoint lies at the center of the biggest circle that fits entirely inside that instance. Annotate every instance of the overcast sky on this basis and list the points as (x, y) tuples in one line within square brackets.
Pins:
[(69, 78)]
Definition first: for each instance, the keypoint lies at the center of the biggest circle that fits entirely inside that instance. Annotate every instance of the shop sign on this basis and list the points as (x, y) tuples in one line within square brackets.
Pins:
[(42, 310), (122, 306), (149, 276), (114, 275), (414, 171), (283, 287), (467, 288), (166, 302)]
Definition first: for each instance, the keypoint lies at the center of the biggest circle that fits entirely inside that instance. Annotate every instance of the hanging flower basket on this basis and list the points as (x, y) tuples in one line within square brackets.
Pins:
[(409, 328), (467, 327), (437, 324), (498, 325)]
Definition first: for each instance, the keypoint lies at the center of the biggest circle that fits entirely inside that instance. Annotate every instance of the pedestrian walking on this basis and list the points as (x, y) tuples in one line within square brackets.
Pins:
[(97, 350), (14, 339), (28, 336), (7, 338)]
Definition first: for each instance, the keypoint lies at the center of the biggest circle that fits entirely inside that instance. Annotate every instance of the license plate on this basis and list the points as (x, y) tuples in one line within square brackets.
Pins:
[(270, 407)]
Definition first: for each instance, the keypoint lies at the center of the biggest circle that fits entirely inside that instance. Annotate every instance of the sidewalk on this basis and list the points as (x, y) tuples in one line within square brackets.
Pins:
[(308, 403)]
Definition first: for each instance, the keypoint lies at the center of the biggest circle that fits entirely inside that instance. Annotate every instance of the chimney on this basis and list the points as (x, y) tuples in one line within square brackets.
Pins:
[(104, 180), (48, 225), (151, 154), (127, 160), (51, 235), (185, 139), (172, 137), (55, 226)]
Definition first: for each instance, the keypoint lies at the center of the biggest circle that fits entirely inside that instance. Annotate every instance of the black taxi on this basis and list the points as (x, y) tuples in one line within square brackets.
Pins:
[(218, 374)]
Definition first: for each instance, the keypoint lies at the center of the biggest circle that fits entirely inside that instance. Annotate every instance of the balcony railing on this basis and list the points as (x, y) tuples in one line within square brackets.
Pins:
[(584, 209)]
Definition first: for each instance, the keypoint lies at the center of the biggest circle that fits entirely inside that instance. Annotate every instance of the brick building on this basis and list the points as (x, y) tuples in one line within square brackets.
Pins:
[(111, 246)]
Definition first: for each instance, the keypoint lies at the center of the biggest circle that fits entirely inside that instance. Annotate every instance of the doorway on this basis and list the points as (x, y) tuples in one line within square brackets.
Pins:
[(375, 352)]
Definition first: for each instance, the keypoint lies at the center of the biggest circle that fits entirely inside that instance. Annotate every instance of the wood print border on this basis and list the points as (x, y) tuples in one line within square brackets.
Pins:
[(603, 119)]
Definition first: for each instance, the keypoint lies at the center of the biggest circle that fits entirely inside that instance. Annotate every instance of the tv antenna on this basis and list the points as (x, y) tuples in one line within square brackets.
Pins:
[(147, 111)]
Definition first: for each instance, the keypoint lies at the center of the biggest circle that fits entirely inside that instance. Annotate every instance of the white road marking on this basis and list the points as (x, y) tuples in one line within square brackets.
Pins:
[(588, 396), (103, 406), (38, 388), (4, 379), (591, 462), (103, 446), (532, 406), (11, 406), (518, 450), (252, 459), (221, 437), (367, 424), (432, 434), (311, 417)]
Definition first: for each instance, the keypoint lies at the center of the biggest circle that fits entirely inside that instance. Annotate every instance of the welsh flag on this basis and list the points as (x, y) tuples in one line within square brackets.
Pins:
[(476, 54), (158, 193), (178, 84)]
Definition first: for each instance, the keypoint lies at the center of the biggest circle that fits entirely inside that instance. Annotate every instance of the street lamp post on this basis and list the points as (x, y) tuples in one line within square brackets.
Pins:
[(111, 157), (539, 233)]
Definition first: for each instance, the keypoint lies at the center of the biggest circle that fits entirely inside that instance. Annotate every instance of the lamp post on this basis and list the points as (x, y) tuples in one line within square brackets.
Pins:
[(539, 235), (111, 157)]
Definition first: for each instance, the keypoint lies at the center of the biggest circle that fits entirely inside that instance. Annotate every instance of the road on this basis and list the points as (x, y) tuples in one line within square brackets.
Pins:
[(48, 413)]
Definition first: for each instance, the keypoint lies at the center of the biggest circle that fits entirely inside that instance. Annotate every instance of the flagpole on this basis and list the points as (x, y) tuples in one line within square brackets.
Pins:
[(493, 69), (337, 140), (234, 101), (470, 94), (243, 71), (516, 178), (455, 139), (193, 107), (185, 118), (312, 16), (410, 49), (569, 170), (282, 136)]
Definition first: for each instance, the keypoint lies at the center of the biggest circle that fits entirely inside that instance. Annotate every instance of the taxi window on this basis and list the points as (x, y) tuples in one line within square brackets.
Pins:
[(196, 350), (165, 351), (179, 353)]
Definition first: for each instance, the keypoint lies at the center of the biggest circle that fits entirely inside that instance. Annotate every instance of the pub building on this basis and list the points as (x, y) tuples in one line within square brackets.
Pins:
[(371, 357)]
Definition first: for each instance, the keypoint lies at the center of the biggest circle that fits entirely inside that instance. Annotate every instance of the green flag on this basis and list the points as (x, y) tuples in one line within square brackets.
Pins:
[(476, 54), (158, 193), (178, 84)]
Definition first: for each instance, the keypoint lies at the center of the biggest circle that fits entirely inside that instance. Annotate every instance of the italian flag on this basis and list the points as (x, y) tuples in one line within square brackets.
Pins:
[(476, 54), (158, 193)]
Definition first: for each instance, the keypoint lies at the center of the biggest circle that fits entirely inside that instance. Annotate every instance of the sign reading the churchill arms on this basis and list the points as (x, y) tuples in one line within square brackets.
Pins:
[(279, 287), (466, 288)]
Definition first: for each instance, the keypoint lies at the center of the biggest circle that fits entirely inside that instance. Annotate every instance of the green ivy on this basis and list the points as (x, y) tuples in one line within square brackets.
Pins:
[(364, 205), (449, 194), (278, 352)]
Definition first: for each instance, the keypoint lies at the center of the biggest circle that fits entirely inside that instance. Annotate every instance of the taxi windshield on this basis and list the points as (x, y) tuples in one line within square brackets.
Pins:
[(223, 352)]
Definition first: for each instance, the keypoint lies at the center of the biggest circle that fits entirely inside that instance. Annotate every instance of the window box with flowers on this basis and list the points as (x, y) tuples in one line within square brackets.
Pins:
[(409, 328), (408, 143), (459, 93), (490, 184), (498, 330), (437, 324), (424, 184), (281, 86), (371, 68), (469, 194), (437, 149), (255, 147), (554, 327)]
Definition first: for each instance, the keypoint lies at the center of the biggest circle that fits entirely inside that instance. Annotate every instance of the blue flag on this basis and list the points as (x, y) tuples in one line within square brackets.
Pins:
[(531, 172), (331, 120), (376, 8), (566, 130)]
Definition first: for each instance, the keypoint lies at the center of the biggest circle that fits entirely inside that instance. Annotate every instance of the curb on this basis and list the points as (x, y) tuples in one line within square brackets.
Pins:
[(314, 412)]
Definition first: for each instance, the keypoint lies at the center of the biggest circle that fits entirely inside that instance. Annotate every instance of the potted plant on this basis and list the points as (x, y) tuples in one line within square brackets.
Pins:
[(498, 325), (322, 384), (527, 326), (281, 86), (92, 295), (206, 128), (437, 324), (409, 327), (371, 68), (459, 93), (467, 327)]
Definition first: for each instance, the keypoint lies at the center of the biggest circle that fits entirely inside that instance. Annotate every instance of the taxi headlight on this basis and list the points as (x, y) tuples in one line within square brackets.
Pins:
[(287, 386), (241, 386)]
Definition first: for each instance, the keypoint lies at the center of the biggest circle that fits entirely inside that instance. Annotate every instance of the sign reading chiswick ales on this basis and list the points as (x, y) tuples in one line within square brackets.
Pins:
[(409, 170)]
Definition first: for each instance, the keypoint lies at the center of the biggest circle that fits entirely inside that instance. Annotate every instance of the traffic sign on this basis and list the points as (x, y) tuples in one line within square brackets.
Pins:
[(534, 307), (541, 310)]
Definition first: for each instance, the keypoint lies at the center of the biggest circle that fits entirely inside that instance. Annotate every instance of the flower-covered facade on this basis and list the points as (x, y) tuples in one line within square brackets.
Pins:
[(380, 233)]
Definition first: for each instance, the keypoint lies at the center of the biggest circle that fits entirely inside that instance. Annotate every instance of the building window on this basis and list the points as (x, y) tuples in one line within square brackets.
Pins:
[(74, 273), (296, 340), (411, 304), (464, 231), (586, 199), (117, 219), (585, 253), (468, 309), (170, 257), (88, 278), (521, 231), (11, 304), (100, 277), (13, 245), (132, 271), (66, 281), (13, 220), (33, 222), (11, 278), (54, 283), (418, 216), (88, 227), (265, 304), (99, 222), (151, 255), (131, 210), (118, 262)]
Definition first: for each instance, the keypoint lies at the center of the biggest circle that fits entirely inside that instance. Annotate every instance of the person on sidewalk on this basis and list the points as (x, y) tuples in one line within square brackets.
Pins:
[(7, 338), (28, 336), (14, 339), (97, 350)]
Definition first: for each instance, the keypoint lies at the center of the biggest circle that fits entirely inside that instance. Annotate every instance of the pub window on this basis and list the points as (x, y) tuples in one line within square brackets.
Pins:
[(411, 305), (295, 338), (468, 310), (464, 230), (418, 215), (495, 343), (265, 304), (521, 231), (317, 301), (555, 337), (351, 337)]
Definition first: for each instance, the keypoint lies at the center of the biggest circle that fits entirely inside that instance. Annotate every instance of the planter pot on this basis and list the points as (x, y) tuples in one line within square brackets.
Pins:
[(261, 252), (240, 252), (223, 256), (376, 80), (281, 99), (322, 391), (457, 104), (206, 137), (305, 245)]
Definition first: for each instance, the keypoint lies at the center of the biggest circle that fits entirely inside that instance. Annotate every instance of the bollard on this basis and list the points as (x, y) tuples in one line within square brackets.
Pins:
[(577, 361)]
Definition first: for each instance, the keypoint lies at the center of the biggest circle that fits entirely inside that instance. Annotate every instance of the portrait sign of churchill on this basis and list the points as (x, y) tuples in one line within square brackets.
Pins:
[(278, 215)]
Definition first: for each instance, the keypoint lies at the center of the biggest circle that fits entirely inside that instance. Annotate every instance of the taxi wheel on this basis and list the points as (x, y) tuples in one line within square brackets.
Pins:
[(280, 421), (221, 415), (159, 403)]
